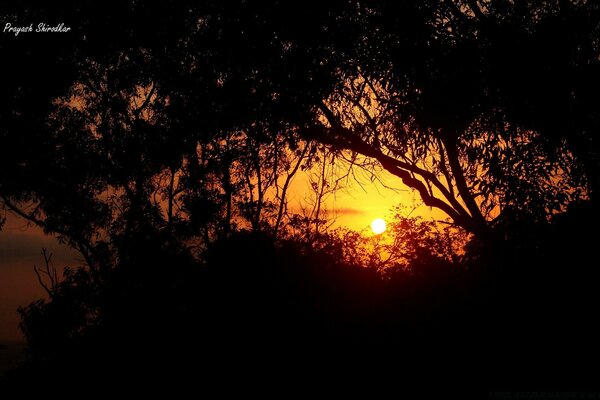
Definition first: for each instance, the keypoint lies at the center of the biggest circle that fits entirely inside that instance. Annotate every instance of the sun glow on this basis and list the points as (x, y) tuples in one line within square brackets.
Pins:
[(378, 226)]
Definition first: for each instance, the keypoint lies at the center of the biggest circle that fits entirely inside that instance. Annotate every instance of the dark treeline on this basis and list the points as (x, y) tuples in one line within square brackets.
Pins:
[(159, 140)]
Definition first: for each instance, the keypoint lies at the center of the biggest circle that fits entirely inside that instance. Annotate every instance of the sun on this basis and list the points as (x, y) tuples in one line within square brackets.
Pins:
[(378, 226)]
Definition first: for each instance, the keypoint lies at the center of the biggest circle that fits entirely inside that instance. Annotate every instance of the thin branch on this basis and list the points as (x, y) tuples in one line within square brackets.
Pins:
[(50, 273), (171, 197), (284, 189), (444, 168), (41, 281), (457, 12), (473, 6), (146, 101)]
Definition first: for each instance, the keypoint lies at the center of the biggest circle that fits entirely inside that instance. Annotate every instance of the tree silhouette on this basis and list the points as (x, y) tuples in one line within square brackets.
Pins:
[(433, 119), (163, 150), (414, 89), (147, 134)]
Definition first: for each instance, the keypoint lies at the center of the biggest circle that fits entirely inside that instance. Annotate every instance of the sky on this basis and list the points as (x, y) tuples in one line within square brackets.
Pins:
[(20, 249), (359, 201), (353, 206)]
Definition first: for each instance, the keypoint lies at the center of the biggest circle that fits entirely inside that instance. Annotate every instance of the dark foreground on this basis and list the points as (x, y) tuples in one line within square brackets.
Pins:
[(260, 314)]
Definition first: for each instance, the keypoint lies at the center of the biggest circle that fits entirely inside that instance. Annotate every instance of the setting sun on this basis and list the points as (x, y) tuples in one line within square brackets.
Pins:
[(378, 226)]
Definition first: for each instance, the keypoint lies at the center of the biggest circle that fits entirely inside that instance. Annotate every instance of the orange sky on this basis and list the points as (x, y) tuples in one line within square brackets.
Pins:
[(361, 201)]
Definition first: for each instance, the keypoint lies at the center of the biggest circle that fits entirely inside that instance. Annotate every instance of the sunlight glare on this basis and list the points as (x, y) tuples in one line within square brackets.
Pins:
[(378, 226)]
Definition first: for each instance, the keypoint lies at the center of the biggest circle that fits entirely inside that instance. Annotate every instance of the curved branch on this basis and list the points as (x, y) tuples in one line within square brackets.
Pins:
[(461, 183), (391, 165), (346, 139), (146, 102), (83, 246), (473, 6)]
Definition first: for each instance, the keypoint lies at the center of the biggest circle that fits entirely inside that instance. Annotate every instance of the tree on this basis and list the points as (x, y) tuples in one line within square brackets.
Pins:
[(425, 108), (166, 125), (184, 132), (163, 150)]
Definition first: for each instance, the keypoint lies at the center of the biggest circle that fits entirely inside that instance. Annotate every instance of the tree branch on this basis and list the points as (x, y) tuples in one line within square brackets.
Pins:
[(146, 101), (473, 6), (347, 139), (461, 183), (76, 241), (392, 166), (50, 273), (286, 184)]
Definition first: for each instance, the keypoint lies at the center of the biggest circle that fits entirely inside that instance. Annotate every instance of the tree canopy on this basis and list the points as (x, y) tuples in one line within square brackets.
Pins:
[(484, 108), (160, 139)]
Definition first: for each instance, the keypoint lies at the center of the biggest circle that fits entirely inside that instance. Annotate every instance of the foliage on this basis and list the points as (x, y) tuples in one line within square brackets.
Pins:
[(406, 244), (435, 110), (199, 124), (163, 149)]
